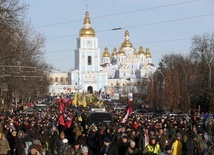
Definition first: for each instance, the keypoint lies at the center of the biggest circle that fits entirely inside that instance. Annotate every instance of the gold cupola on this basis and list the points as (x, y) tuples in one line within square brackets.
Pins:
[(135, 52), (127, 43), (106, 53), (121, 51), (87, 30), (140, 50), (148, 54), (114, 53)]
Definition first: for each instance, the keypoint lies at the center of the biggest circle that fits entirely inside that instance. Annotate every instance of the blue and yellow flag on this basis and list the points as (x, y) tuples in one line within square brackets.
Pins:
[(84, 102), (75, 101), (101, 104), (79, 116)]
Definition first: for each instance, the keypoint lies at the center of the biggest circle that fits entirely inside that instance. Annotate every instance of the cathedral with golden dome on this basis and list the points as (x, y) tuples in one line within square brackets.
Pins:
[(112, 71)]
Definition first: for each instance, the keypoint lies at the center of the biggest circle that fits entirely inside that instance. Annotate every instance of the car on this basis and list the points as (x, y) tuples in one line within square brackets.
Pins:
[(183, 116), (138, 112), (29, 111), (46, 103), (98, 116), (169, 115), (40, 107)]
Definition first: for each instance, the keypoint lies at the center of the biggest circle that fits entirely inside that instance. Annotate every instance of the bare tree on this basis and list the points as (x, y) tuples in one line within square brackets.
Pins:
[(203, 50), (22, 63)]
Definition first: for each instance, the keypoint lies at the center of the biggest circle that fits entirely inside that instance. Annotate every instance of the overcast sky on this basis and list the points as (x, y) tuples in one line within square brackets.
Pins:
[(164, 26)]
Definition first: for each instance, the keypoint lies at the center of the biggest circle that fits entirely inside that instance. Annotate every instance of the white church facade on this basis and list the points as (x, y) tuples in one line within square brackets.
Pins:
[(122, 67)]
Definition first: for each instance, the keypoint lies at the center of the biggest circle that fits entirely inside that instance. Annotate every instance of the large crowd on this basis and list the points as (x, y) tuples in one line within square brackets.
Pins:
[(42, 134)]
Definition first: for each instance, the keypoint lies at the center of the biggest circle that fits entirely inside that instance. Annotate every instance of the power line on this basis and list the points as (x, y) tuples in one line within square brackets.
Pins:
[(171, 51), (173, 20), (146, 24), (121, 13), (155, 41)]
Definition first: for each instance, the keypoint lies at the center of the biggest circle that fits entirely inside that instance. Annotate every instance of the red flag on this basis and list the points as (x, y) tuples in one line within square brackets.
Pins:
[(59, 100), (70, 101), (124, 119), (66, 100), (128, 111), (61, 116), (129, 106)]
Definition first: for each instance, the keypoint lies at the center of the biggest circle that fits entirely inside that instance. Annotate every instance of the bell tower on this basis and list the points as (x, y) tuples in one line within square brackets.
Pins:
[(87, 54)]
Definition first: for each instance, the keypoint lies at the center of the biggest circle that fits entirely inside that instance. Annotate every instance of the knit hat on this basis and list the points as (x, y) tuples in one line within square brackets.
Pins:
[(168, 147), (178, 135), (76, 143), (124, 135), (152, 138), (107, 140), (36, 142), (65, 140), (194, 136), (84, 149)]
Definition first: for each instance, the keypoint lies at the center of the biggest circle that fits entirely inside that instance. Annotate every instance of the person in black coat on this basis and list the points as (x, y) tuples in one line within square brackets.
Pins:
[(123, 145), (108, 147), (12, 142), (191, 145), (132, 150), (20, 143), (53, 142)]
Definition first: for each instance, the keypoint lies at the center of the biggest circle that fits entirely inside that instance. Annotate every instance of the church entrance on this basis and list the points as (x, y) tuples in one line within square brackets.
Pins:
[(90, 89)]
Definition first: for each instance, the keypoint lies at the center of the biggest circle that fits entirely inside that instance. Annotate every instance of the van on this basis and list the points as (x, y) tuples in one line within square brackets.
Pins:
[(98, 118)]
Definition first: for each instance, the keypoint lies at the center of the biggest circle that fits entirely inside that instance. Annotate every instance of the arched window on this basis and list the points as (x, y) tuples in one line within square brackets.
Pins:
[(89, 60)]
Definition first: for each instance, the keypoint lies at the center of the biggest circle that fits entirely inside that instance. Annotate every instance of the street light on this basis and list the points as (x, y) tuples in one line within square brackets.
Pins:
[(129, 93)]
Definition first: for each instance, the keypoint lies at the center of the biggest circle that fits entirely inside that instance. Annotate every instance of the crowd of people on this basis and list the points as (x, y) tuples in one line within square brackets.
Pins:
[(42, 134)]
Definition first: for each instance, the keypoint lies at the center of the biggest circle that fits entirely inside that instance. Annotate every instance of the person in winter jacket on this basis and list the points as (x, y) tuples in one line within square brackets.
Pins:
[(177, 145), (132, 150), (191, 145), (4, 145), (153, 148), (33, 150), (167, 150), (108, 147)]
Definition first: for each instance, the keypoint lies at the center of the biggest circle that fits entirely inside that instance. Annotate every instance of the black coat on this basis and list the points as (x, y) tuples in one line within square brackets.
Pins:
[(122, 147), (109, 150), (20, 146), (190, 147), (132, 151)]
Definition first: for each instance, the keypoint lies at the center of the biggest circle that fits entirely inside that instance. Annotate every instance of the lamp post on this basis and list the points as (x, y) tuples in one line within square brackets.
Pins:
[(129, 90)]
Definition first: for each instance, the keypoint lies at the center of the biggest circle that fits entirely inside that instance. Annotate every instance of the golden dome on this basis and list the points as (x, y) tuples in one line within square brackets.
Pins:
[(121, 51), (106, 53), (148, 54), (135, 53), (114, 53), (127, 43), (140, 50), (87, 31)]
